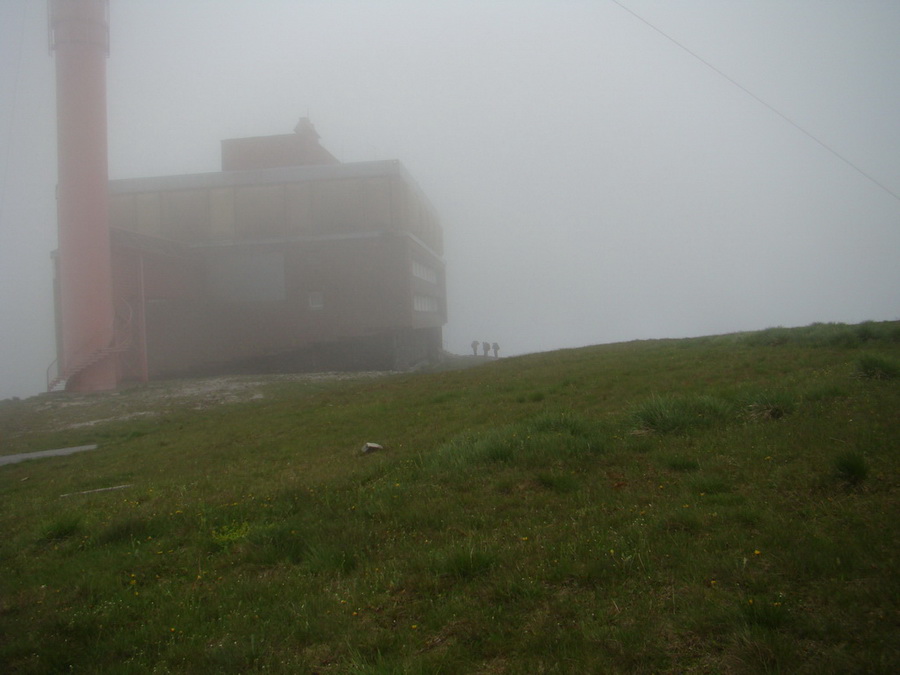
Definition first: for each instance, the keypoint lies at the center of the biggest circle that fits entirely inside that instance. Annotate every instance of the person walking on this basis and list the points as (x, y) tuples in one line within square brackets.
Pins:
[(496, 349), (475, 347), (486, 346)]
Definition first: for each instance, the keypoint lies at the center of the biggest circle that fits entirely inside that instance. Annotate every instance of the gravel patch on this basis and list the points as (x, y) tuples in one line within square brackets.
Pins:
[(63, 411)]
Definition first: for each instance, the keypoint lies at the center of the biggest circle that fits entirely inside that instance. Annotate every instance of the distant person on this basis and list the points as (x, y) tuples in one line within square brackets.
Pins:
[(475, 344), (496, 349), (486, 346)]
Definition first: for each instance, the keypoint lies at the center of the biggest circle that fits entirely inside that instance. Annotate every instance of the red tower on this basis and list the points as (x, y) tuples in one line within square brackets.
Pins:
[(79, 36)]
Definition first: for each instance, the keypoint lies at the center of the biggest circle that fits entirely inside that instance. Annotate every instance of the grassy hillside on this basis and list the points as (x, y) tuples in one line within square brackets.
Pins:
[(714, 505)]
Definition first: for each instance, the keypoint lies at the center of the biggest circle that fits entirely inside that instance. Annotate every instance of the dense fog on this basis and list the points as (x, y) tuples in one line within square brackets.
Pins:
[(603, 171)]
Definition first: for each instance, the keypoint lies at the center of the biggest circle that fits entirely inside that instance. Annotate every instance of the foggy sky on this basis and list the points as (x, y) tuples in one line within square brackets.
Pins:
[(595, 182)]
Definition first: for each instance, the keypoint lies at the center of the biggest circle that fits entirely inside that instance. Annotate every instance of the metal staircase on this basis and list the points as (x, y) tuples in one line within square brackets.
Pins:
[(120, 342)]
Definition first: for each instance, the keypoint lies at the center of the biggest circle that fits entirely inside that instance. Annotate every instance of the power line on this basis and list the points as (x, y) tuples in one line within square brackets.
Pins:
[(768, 105)]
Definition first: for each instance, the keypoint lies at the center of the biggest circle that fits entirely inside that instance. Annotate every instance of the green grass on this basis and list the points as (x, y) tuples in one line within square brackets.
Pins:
[(673, 414), (851, 467), (717, 505), (877, 367)]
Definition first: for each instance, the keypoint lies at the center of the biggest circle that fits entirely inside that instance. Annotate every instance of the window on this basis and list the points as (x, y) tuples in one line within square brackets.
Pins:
[(424, 272), (425, 303)]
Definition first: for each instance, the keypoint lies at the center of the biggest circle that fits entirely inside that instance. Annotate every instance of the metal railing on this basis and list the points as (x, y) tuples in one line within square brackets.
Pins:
[(120, 342)]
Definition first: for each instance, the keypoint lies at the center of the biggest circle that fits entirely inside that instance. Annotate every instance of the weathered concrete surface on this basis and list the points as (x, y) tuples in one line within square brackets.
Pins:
[(14, 459)]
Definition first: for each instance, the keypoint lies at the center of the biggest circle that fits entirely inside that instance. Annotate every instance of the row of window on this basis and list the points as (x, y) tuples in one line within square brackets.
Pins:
[(421, 303), (425, 303), (424, 272), (280, 209)]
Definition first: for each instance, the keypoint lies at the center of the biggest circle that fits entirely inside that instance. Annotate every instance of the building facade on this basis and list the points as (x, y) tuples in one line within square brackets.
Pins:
[(286, 260)]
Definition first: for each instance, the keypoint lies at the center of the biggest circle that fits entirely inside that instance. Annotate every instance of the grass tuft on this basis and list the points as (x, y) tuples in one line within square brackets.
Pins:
[(128, 529), (540, 441), (229, 534), (678, 414), (875, 367), (557, 482), (766, 404), (765, 613), (851, 467), (462, 562), (63, 527)]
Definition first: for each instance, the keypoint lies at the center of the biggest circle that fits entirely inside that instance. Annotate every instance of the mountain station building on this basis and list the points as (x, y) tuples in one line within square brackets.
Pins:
[(287, 260)]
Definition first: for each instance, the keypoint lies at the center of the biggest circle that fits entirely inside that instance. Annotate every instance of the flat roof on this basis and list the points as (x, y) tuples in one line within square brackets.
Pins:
[(166, 246), (287, 174)]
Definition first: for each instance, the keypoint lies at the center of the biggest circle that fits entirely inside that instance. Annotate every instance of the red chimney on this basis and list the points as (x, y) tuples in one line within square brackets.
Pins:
[(79, 35)]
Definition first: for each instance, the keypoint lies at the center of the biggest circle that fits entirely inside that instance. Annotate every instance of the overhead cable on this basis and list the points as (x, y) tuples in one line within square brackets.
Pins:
[(765, 103)]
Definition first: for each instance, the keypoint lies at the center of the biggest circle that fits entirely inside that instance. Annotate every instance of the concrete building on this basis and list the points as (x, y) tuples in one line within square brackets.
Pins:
[(286, 260)]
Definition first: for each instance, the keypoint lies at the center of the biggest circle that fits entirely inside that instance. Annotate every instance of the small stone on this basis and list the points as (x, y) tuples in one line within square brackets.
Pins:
[(371, 447)]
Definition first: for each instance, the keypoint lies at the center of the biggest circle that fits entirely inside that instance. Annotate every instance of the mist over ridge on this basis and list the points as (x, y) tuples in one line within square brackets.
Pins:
[(595, 182)]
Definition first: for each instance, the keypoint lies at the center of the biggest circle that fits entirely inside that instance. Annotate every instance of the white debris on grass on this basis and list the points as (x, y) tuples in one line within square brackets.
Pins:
[(156, 398)]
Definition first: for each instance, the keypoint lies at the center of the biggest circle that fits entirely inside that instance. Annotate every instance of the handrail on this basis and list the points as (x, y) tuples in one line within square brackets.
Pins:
[(116, 345)]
